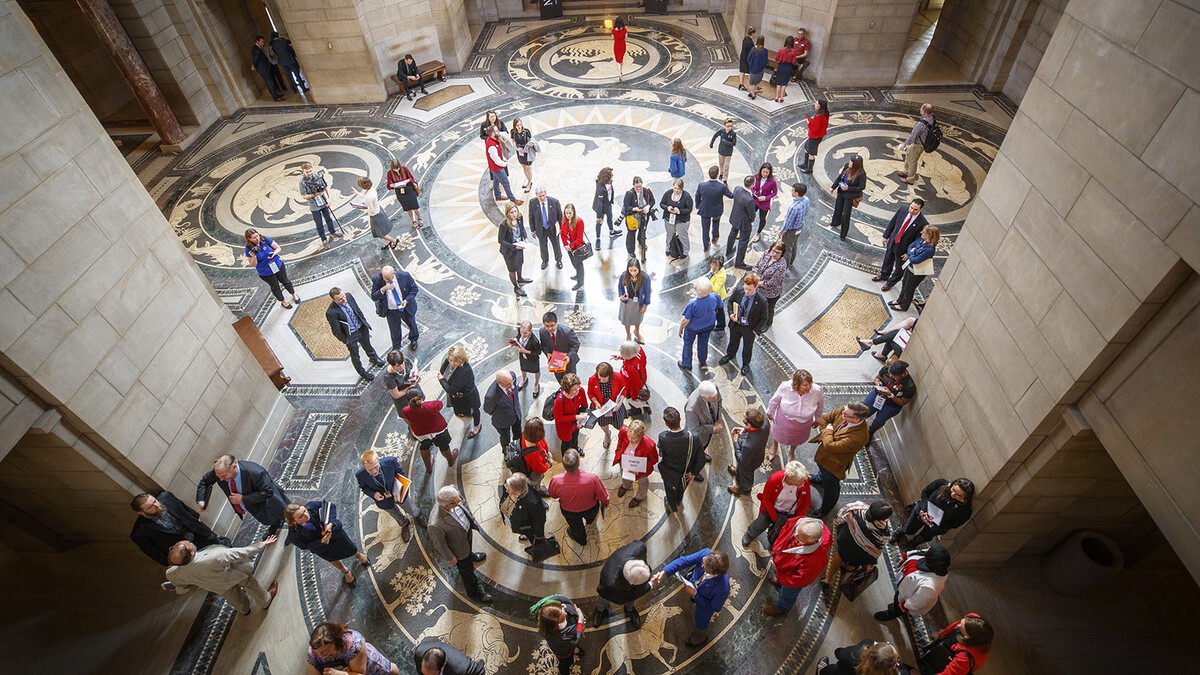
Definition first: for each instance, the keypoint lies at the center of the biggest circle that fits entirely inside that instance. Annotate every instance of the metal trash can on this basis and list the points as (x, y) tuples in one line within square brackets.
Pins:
[(1081, 563)]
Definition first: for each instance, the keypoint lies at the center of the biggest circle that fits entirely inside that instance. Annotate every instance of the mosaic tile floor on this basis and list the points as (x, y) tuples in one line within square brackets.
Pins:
[(558, 78)]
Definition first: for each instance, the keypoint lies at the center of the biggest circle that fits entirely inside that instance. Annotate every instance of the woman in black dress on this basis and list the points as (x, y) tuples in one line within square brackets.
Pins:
[(457, 378), (511, 231), (315, 527), (953, 499), (529, 355), (602, 202), (561, 624), (520, 137), (849, 190), (400, 179), (744, 58)]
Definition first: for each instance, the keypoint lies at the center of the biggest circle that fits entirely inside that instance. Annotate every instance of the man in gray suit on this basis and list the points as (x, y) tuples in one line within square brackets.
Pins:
[(502, 405), (741, 217), (250, 489), (450, 529), (702, 415), (222, 570)]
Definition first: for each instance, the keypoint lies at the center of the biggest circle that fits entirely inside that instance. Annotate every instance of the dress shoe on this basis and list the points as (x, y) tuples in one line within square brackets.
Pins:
[(621, 492), (635, 620), (877, 279), (338, 235), (902, 174), (272, 589), (421, 520), (681, 364), (408, 96), (772, 610), (723, 360), (524, 281), (378, 363), (634, 503), (879, 357), (697, 641), (412, 346), (367, 563), (406, 532), (366, 376), (883, 616), (484, 598), (732, 470), (423, 91), (599, 617), (863, 343), (520, 292), (478, 557), (558, 264), (887, 287), (733, 490), (545, 264), (745, 371), (746, 541), (577, 287), (698, 479), (352, 582)]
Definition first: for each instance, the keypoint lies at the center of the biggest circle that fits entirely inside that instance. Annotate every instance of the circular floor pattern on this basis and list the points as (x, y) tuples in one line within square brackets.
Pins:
[(568, 62)]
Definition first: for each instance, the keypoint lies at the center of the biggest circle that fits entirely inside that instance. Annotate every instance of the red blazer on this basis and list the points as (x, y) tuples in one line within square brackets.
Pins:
[(634, 371), (771, 492), (572, 233), (817, 126), (799, 570), (537, 456), (618, 388), (565, 410), (961, 663), (646, 448), (425, 420), (394, 177)]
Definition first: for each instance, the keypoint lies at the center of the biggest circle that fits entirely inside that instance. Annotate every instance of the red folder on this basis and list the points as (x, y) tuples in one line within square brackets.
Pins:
[(558, 362)]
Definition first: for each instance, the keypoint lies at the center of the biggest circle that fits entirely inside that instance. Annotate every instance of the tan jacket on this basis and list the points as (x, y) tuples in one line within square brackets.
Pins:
[(449, 537), (215, 569), (839, 446)]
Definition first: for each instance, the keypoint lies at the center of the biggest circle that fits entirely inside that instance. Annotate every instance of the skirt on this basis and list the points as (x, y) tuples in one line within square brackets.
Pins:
[(513, 260), (811, 145), (755, 78), (406, 197), (380, 224), (629, 313), (783, 74), (339, 547)]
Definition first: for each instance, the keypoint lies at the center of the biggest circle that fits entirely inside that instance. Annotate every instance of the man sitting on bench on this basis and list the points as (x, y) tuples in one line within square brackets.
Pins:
[(408, 77), (803, 49)]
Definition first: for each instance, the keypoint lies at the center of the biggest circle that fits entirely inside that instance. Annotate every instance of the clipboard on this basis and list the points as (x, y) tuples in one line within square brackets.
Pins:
[(934, 512), (400, 488)]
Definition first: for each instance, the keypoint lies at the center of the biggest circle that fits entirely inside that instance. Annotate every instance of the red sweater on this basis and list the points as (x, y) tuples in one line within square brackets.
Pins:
[(425, 420), (537, 456), (565, 410), (618, 388), (785, 55), (961, 663), (771, 492), (796, 570), (646, 448), (817, 126), (634, 371), (572, 233)]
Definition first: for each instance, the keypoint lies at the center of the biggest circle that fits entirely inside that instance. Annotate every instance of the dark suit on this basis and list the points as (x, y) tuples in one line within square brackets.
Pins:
[(679, 452), (613, 587), (741, 221), (891, 270), (564, 341), (156, 536), (264, 67), (710, 205), (261, 495), (306, 538), (747, 326), (457, 663), (455, 543), (505, 412), (627, 207), (602, 206), (389, 468), (546, 232), (340, 327), (286, 55), (406, 70), (403, 284)]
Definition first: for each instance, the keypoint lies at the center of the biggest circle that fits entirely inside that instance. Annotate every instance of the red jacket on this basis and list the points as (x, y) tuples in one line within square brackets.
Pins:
[(572, 233), (425, 420), (771, 492), (785, 55), (565, 410), (634, 371), (487, 152), (394, 177), (796, 570), (817, 126), (618, 388), (646, 448), (537, 456), (961, 663)]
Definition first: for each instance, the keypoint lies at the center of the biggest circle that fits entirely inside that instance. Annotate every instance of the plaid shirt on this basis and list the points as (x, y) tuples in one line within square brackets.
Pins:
[(796, 214)]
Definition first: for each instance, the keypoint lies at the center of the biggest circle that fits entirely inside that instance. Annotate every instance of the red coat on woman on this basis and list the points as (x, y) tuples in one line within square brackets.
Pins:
[(646, 448), (537, 456), (818, 126), (572, 233), (618, 388), (565, 410), (634, 371), (771, 492), (425, 420), (797, 570), (962, 664)]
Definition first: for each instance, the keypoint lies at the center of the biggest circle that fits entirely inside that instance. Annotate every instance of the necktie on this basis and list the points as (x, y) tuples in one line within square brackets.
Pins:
[(903, 228), (511, 398), (545, 216), (233, 490), (553, 339), (396, 293)]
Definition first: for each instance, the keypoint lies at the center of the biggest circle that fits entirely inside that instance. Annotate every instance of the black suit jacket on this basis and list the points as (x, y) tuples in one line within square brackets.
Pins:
[(261, 62), (564, 340), (600, 199), (743, 210), (460, 387), (630, 203), (613, 587), (337, 320), (677, 457), (403, 70), (284, 52), (504, 412), (157, 542), (261, 495), (553, 209), (404, 283), (457, 663), (758, 311), (910, 235)]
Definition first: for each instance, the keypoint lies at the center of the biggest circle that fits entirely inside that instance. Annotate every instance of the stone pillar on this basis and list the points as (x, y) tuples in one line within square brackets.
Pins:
[(1070, 293), (105, 22)]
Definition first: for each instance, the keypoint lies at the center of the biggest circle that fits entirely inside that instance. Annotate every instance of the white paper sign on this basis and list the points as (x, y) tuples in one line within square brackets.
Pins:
[(605, 409), (633, 464), (934, 512)]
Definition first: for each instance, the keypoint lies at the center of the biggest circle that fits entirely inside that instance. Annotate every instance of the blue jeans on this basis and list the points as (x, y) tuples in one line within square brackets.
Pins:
[(328, 215), (831, 489), (690, 336), (887, 412), (501, 178), (787, 598)]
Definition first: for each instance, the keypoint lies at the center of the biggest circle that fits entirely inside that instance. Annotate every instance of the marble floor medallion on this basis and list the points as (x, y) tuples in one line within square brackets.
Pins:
[(565, 63)]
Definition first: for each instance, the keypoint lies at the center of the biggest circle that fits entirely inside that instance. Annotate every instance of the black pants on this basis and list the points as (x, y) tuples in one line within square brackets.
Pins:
[(762, 220), (571, 443), (275, 280), (270, 80), (564, 665), (720, 317), (509, 434), (710, 230), (886, 339), (576, 520), (466, 570), (894, 610), (890, 270), (363, 338), (771, 310), (408, 87), (916, 529), (277, 74), (740, 333), (841, 214), (639, 235), (396, 321), (909, 288), (294, 76), (739, 235), (831, 490), (763, 523), (673, 485), (545, 238)]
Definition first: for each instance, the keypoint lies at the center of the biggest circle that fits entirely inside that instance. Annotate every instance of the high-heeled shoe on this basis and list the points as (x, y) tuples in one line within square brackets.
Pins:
[(863, 343)]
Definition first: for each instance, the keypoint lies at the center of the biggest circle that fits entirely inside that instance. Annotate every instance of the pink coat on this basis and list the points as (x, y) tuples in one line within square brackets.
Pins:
[(794, 414)]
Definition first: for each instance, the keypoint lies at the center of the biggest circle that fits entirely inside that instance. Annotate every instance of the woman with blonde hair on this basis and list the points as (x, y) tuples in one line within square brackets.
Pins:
[(918, 264), (561, 624), (315, 527), (633, 441), (865, 658), (457, 378), (381, 225), (511, 231)]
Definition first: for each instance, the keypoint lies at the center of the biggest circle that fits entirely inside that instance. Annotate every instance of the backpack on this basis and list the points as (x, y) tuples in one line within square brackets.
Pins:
[(548, 406), (675, 248), (514, 459), (933, 135), (938, 655)]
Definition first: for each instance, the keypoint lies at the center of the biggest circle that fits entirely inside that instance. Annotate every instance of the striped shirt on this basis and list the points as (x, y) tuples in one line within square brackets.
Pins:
[(796, 214)]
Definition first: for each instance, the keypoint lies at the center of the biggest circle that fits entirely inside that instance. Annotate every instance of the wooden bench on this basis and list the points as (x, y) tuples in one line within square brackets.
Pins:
[(262, 351), (797, 70), (428, 70)]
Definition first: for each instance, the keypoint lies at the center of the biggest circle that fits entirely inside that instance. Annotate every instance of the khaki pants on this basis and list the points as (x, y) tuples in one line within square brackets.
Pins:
[(912, 157), (643, 487), (723, 166), (239, 596)]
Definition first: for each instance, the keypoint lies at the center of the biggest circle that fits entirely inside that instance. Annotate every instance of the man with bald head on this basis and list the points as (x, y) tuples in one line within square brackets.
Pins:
[(502, 403), (226, 571), (395, 296)]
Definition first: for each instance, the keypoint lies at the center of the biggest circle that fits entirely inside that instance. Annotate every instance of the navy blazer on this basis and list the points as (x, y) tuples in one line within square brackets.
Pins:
[(642, 297), (710, 202), (504, 413), (910, 235), (404, 283), (337, 320), (389, 468), (758, 310), (261, 495), (712, 594), (744, 210), (156, 542), (322, 513), (284, 52), (920, 251)]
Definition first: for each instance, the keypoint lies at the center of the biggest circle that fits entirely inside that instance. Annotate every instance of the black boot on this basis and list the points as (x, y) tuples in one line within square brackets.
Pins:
[(805, 167)]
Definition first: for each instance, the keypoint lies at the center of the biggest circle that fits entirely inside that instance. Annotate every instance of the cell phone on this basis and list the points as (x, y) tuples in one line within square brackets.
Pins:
[(168, 586)]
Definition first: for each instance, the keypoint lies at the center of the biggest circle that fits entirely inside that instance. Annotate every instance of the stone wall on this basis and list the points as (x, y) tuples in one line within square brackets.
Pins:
[(1037, 36), (107, 320), (393, 29), (1086, 226), (337, 60)]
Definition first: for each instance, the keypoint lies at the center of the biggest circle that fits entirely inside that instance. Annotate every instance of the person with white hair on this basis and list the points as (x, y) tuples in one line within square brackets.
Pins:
[(699, 318), (786, 494), (702, 415), (395, 296), (450, 529), (799, 556), (624, 578)]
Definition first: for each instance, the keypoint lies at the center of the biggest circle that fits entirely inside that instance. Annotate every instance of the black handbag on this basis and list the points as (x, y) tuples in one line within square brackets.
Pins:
[(675, 247), (543, 549), (583, 252), (938, 655), (853, 584)]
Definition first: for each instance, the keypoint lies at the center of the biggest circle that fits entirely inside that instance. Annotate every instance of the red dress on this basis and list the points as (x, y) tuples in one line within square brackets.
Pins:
[(619, 44)]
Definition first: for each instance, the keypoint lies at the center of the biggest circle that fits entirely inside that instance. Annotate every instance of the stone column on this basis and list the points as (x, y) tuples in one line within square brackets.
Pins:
[(113, 35)]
